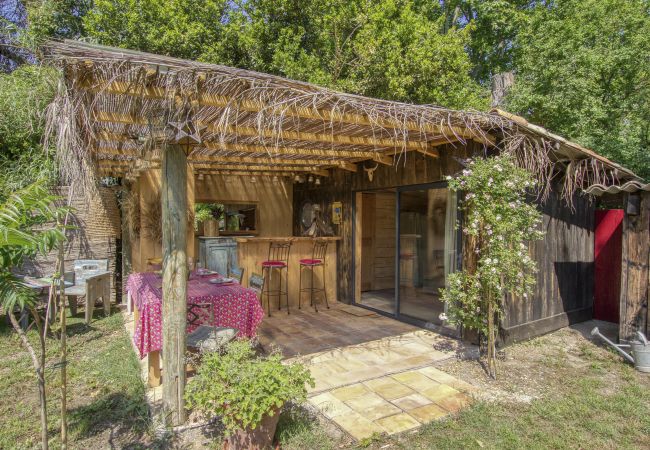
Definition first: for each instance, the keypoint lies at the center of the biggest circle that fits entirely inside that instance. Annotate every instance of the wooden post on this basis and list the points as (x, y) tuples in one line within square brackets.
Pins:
[(174, 228), (635, 271)]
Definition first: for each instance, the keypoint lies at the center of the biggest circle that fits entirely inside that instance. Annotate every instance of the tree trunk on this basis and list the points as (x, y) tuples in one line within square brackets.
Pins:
[(64, 351), (39, 364), (174, 228), (491, 347), (127, 260)]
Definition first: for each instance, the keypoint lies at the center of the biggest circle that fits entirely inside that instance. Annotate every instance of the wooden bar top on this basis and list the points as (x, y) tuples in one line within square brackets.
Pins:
[(288, 239)]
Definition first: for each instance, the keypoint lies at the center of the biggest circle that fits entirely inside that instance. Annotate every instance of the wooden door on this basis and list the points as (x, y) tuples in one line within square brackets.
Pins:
[(367, 256), (607, 258)]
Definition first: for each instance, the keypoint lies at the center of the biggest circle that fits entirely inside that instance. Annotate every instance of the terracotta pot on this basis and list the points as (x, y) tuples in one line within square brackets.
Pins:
[(260, 438), (211, 228)]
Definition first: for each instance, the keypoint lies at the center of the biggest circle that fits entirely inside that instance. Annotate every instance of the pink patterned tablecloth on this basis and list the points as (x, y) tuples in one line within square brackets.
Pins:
[(233, 305)]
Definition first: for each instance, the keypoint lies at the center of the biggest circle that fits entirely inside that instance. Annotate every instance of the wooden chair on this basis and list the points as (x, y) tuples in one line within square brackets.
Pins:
[(92, 280), (256, 283), (237, 273)]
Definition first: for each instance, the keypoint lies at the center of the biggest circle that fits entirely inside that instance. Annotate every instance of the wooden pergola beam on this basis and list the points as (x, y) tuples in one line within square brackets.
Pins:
[(218, 101), (378, 156), (328, 138), (260, 168)]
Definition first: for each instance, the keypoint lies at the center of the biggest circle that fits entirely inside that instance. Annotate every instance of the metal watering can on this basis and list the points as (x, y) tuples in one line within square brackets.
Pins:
[(640, 350)]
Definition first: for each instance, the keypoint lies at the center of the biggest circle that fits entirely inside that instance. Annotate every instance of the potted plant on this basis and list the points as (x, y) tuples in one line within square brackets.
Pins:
[(202, 212), (247, 392)]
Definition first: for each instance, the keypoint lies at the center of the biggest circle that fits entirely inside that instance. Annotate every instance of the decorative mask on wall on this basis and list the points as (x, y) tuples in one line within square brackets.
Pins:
[(371, 171)]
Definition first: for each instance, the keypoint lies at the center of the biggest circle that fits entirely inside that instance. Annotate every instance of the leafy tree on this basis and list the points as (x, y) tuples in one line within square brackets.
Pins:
[(24, 94), (24, 232), (390, 49), (583, 71), (494, 25)]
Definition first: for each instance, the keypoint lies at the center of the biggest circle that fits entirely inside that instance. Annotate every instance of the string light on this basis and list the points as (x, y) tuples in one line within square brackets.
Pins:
[(317, 181), (253, 179), (310, 179)]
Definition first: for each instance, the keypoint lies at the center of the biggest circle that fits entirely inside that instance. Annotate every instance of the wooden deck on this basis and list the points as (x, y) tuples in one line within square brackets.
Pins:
[(305, 331)]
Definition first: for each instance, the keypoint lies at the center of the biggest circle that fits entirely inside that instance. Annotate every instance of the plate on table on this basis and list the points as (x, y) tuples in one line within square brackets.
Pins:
[(224, 280), (206, 272)]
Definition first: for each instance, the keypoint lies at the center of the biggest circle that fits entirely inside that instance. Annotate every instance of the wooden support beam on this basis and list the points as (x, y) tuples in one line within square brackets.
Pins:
[(328, 138), (325, 115), (174, 310), (234, 173), (257, 168)]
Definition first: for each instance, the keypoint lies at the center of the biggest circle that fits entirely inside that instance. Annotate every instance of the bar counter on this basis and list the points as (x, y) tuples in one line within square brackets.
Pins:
[(253, 250)]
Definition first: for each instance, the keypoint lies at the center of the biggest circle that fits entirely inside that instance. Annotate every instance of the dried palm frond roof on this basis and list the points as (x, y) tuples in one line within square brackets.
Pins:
[(114, 109)]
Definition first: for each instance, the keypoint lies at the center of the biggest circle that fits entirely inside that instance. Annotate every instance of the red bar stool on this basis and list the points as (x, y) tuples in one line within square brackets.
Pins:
[(278, 260), (317, 260)]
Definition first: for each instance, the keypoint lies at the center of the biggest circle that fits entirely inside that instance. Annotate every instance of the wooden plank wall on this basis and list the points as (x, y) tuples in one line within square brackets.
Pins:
[(635, 273), (565, 278), (95, 235)]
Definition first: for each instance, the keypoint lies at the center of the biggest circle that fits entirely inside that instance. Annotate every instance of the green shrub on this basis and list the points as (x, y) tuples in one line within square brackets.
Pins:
[(242, 388)]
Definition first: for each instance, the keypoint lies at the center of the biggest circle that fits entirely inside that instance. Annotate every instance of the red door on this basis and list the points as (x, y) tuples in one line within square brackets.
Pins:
[(607, 255)]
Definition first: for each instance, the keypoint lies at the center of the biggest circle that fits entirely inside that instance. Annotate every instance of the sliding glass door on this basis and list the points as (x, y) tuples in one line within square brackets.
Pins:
[(427, 251), (406, 245)]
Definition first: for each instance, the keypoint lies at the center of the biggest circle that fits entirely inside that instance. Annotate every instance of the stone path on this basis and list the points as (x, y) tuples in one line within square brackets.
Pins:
[(388, 385)]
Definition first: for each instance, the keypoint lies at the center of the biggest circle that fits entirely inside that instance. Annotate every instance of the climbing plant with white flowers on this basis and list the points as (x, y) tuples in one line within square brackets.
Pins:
[(498, 224)]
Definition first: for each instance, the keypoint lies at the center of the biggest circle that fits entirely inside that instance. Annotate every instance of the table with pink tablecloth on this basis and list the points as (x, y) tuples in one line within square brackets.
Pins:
[(233, 306)]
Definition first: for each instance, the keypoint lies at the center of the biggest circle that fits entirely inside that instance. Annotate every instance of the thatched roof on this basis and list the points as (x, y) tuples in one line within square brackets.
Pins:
[(114, 108)]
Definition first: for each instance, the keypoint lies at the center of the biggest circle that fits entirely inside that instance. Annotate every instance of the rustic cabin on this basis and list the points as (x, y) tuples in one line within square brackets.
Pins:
[(329, 198)]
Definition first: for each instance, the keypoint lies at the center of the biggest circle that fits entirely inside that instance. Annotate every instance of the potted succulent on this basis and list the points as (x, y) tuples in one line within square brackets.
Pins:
[(247, 392)]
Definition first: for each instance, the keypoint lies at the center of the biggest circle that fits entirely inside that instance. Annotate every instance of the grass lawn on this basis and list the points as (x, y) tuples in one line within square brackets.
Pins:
[(105, 394), (557, 391)]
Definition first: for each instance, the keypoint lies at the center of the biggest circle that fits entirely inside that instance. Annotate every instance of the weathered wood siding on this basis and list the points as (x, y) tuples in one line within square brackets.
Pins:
[(565, 279), (635, 273)]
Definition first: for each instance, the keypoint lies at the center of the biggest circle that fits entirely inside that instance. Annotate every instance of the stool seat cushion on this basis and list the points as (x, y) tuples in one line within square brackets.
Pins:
[(311, 262), (274, 264)]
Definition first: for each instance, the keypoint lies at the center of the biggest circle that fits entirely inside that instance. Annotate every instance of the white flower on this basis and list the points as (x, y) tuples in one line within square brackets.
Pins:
[(448, 177), (522, 245), (467, 172), (478, 309), (498, 168), (520, 274), (488, 261), (494, 270), (496, 261), (443, 317), (525, 295), (489, 232), (498, 217)]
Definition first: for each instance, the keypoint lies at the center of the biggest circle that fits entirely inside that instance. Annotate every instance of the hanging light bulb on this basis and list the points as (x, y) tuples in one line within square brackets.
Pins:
[(276, 179), (253, 179), (296, 178), (200, 177), (317, 181), (310, 179)]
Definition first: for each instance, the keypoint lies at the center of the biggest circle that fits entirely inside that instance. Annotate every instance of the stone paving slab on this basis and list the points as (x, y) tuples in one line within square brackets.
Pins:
[(387, 386)]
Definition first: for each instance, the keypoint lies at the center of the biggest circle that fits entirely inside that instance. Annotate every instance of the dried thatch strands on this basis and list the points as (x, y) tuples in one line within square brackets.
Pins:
[(117, 105), (152, 219)]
